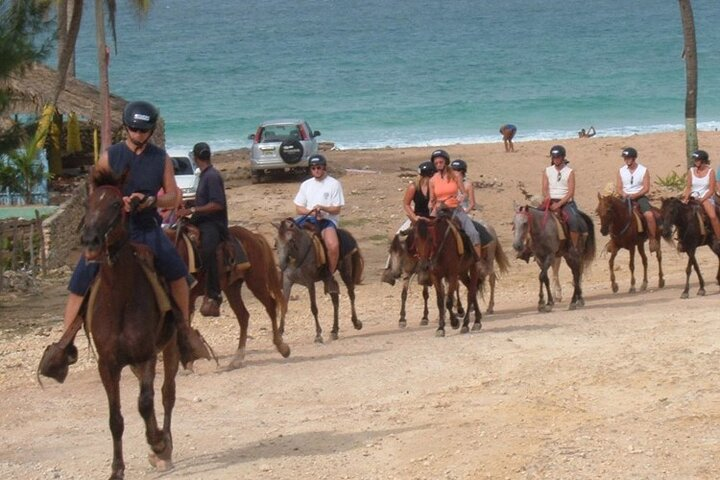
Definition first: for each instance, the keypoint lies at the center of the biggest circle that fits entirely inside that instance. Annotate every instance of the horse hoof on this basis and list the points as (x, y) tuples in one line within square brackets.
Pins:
[(701, 292), (161, 465), (402, 324), (661, 283), (319, 339), (334, 335), (615, 288), (490, 311), (439, 332), (581, 302), (464, 329), (684, 295), (424, 322), (476, 326), (454, 323), (632, 290), (284, 350), (234, 364), (573, 306), (357, 324)]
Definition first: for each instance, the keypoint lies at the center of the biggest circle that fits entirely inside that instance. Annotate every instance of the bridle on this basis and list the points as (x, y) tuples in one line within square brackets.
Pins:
[(117, 219)]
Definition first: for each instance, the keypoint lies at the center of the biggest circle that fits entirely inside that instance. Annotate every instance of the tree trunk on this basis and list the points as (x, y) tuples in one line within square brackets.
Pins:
[(691, 78), (103, 58), (66, 49)]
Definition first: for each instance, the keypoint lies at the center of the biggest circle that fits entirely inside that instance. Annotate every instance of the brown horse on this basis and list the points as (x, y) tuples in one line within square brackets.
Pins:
[(442, 260), (262, 278), (618, 220), (298, 262), (692, 232), (126, 322)]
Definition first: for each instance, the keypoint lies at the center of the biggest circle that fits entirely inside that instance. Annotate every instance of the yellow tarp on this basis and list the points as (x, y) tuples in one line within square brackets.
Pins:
[(73, 134)]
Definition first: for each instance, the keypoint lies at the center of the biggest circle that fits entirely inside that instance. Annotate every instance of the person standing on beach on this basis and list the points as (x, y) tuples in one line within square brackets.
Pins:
[(147, 168), (633, 182), (447, 190), (508, 132), (319, 202), (558, 188), (210, 216), (701, 186)]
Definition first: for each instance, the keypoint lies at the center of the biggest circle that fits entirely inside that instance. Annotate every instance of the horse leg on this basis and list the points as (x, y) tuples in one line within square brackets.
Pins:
[(472, 303), (171, 362), (458, 304), (573, 261), (491, 304), (611, 265), (440, 294), (632, 269), (661, 278), (643, 257), (234, 298), (557, 288), (334, 333), (110, 376), (450, 300), (426, 295), (688, 268), (161, 455), (287, 288), (314, 310), (402, 323), (701, 290), (347, 277), (545, 284)]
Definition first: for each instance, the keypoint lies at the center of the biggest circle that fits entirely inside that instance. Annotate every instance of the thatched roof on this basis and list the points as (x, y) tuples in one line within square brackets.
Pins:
[(33, 90)]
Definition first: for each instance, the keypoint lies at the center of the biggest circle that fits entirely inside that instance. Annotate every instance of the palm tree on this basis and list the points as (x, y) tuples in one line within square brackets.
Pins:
[(691, 76)]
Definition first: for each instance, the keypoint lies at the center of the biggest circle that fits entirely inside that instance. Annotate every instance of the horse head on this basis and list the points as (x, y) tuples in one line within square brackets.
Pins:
[(670, 210), (398, 254), (288, 232), (521, 229), (104, 223), (425, 247), (605, 213)]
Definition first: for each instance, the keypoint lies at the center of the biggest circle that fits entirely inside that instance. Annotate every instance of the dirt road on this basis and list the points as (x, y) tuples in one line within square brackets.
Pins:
[(624, 388)]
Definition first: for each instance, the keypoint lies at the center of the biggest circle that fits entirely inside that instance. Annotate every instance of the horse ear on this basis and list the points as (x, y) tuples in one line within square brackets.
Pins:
[(276, 225), (599, 196), (516, 207)]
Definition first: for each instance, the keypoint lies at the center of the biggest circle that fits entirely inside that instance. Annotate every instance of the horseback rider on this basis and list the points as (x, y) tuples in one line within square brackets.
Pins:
[(447, 188), (323, 196), (701, 185), (558, 188), (468, 201), (210, 216), (633, 182), (416, 205), (148, 168)]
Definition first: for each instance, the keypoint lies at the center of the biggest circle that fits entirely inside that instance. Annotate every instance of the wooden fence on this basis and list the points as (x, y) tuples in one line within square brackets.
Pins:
[(22, 246)]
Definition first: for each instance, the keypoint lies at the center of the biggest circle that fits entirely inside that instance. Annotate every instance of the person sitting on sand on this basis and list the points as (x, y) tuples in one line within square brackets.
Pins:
[(590, 132), (508, 132)]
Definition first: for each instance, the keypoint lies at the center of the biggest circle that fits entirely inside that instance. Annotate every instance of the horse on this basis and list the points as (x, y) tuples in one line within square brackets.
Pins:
[(536, 230), (618, 220), (298, 256), (262, 278), (692, 232), (126, 322), (442, 259), (403, 264)]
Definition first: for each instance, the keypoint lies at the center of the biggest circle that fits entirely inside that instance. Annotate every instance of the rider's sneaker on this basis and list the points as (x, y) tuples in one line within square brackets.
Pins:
[(192, 345), (331, 285)]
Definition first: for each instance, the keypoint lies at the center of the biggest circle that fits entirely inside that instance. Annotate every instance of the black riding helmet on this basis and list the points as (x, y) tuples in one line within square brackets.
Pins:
[(140, 115), (701, 155), (427, 169), (317, 159), (440, 153), (629, 152), (459, 165), (557, 151)]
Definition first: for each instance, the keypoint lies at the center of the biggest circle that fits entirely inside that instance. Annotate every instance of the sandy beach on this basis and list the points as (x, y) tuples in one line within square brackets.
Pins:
[(623, 388)]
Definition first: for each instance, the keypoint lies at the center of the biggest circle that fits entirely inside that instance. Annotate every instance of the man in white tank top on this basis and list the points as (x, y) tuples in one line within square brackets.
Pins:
[(633, 182)]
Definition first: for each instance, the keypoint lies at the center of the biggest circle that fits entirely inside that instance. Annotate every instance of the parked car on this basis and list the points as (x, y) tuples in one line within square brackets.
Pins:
[(187, 174), (282, 146)]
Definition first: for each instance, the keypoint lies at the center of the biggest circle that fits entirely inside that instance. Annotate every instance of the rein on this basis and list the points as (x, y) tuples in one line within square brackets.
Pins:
[(120, 216)]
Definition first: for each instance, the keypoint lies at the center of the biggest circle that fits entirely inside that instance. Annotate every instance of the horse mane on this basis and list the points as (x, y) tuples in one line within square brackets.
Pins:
[(102, 177)]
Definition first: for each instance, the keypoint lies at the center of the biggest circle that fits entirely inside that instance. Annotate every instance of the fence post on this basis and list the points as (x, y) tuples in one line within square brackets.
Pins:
[(2, 255), (32, 249), (16, 225), (43, 260)]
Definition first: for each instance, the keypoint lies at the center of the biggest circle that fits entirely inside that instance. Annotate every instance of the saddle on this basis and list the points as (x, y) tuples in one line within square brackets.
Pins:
[(348, 245), (230, 253)]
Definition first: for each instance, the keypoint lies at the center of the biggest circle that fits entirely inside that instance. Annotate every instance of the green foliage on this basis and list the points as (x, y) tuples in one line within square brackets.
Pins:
[(673, 181), (23, 169)]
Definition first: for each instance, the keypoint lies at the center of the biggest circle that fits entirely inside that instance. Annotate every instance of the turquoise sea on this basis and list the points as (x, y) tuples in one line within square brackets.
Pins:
[(382, 73)]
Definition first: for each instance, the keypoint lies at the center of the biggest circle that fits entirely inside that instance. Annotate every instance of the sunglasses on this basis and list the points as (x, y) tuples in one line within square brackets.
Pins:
[(138, 130), (559, 177), (317, 167)]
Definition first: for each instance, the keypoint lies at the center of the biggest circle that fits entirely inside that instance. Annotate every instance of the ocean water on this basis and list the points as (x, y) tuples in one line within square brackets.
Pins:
[(383, 73)]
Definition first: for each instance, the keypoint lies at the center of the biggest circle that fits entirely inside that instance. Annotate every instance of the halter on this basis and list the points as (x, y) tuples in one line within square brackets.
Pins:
[(119, 217)]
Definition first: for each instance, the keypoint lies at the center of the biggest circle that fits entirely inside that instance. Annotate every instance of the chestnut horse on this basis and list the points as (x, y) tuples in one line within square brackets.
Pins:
[(298, 263), (535, 229), (262, 278), (691, 234), (618, 220), (441, 259), (126, 323)]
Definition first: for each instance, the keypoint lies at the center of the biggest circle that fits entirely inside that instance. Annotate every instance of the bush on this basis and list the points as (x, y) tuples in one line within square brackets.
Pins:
[(673, 181)]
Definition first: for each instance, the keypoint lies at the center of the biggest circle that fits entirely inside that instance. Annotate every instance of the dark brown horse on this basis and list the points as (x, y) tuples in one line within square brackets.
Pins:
[(126, 322), (262, 278), (618, 220), (442, 260), (535, 229), (298, 262), (693, 230)]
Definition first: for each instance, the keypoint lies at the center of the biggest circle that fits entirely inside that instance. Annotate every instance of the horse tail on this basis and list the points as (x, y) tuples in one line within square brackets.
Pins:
[(501, 259), (358, 266), (590, 244)]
